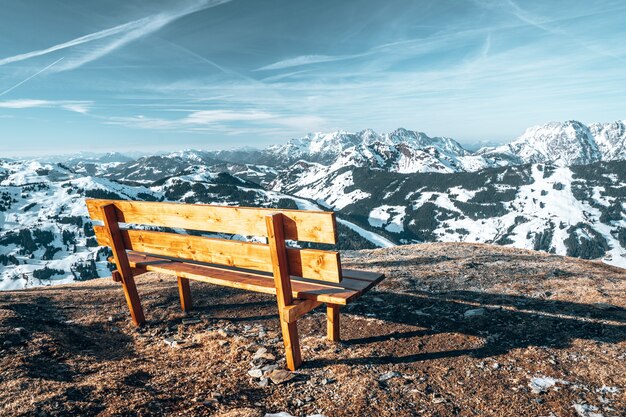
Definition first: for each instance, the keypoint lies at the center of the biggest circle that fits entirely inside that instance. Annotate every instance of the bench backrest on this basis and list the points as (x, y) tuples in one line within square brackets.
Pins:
[(275, 224)]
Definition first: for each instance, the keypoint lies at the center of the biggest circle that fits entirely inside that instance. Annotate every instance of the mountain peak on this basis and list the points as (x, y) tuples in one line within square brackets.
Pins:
[(560, 143)]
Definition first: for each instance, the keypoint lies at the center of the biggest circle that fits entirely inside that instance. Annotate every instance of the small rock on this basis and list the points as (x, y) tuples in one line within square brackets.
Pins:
[(263, 382), (191, 321), (437, 399), (175, 343), (223, 333), (222, 342), (495, 365), (268, 368), (388, 375), (280, 376), (475, 312), (586, 410), (20, 330), (539, 385), (255, 373), (215, 397), (262, 353)]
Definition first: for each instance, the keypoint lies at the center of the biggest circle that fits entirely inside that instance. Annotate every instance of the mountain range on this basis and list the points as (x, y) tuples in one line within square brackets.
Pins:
[(560, 188)]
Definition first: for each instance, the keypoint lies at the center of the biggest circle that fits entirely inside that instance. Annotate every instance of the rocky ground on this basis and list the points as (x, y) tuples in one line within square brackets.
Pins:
[(455, 330)]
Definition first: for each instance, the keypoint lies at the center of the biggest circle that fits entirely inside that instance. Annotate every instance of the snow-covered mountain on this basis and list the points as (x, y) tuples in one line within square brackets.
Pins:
[(610, 139), (46, 236), (563, 144), (577, 211), (560, 187), (399, 151), (577, 202), (559, 143)]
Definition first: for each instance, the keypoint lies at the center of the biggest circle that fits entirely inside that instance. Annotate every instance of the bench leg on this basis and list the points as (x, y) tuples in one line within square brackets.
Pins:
[(332, 322), (185, 294), (292, 344), (132, 299)]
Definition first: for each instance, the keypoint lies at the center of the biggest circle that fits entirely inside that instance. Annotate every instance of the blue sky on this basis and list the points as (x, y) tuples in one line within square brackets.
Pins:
[(165, 75)]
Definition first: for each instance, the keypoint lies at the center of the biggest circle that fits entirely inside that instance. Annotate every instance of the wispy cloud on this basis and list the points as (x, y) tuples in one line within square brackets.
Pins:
[(216, 116), (307, 60), (115, 37), (221, 120), (550, 26), (73, 106), (389, 52)]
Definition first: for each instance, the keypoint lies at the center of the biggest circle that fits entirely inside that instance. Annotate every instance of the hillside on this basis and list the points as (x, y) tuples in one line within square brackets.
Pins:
[(455, 329), (575, 211)]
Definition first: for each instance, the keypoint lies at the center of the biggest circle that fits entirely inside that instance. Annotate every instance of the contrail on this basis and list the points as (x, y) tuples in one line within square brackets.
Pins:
[(32, 76), (121, 35)]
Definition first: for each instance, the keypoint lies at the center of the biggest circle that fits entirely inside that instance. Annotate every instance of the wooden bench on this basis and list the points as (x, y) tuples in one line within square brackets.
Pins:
[(302, 279)]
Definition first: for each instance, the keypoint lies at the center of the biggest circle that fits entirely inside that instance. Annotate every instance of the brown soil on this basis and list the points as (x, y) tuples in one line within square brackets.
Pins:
[(70, 350)]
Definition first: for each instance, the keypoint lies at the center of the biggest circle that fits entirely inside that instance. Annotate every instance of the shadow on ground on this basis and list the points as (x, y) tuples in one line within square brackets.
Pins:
[(42, 317), (503, 322)]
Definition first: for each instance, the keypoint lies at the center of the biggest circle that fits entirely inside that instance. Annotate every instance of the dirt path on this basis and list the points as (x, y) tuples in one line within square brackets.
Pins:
[(456, 329)]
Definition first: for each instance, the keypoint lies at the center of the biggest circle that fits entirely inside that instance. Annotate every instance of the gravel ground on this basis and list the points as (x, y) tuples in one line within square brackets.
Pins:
[(455, 330)]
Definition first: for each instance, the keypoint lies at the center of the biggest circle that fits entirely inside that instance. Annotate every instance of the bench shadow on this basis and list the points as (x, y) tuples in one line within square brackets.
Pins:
[(502, 322), (66, 340)]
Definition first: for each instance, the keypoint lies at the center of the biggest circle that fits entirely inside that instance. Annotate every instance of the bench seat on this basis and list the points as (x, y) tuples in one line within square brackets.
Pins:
[(353, 285)]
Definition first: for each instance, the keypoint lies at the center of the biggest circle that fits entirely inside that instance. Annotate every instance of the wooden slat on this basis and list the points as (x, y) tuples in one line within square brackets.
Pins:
[(307, 263), (341, 293), (303, 225)]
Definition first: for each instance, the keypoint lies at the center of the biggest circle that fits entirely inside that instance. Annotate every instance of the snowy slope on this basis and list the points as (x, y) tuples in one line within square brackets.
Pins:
[(47, 238), (611, 139), (577, 211)]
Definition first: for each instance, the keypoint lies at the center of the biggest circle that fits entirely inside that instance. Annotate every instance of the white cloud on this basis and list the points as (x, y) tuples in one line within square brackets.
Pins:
[(73, 106), (22, 104), (306, 60), (116, 36), (215, 116), (223, 121)]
